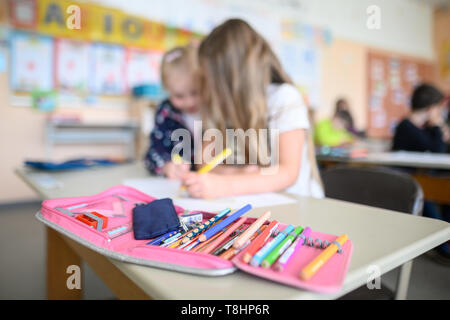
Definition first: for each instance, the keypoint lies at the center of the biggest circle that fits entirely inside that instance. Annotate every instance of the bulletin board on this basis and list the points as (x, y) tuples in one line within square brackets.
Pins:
[(391, 81)]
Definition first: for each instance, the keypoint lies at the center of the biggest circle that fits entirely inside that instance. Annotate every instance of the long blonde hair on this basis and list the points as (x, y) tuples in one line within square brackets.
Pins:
[(237, 66)]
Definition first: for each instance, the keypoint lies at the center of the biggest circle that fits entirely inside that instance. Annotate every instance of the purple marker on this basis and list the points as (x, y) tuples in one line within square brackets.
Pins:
[(289, 253)]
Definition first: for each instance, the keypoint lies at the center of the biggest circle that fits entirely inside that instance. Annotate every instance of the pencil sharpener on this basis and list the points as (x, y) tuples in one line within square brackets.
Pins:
[(94, 220)]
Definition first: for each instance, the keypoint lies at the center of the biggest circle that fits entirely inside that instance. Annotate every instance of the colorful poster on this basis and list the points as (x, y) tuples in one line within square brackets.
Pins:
[(31, 62), (142, 67), (108, 65), (72, 65)]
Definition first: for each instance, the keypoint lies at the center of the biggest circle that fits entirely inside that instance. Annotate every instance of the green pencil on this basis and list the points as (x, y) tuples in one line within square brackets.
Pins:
[(282, 247)]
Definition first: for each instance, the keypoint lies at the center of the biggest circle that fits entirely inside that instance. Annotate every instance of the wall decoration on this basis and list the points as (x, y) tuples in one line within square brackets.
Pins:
[(31, 62)]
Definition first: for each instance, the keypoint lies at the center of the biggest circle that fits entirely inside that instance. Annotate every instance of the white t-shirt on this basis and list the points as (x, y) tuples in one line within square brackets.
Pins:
[(287, 111), (189, 120)]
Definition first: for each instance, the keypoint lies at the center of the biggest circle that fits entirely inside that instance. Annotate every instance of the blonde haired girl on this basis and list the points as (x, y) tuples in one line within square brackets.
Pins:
[(245, 87), (179, 75)]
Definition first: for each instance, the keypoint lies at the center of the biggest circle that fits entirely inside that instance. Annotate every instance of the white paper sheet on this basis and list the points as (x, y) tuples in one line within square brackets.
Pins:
[(164, 188)]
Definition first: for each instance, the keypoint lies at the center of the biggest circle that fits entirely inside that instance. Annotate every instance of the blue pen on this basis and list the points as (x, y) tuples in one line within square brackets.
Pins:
[(261, 254), (163, 237), (227, 221)]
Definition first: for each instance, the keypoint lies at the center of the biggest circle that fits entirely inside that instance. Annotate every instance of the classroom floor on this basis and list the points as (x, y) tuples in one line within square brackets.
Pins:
[(22, 266)]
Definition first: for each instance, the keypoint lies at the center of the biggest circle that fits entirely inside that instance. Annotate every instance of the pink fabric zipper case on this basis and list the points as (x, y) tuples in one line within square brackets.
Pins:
[(116, 240)]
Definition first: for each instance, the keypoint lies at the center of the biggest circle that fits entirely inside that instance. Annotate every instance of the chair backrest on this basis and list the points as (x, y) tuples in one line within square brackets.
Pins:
[(377, 187)]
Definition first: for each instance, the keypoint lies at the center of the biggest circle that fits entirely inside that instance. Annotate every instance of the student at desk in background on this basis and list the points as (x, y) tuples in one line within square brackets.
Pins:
[(332, 132), (179, 75), (424, 130)]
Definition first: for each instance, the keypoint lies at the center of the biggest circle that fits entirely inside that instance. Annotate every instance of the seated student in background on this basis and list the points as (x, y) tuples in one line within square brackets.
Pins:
[(179, 75), (245, 87), (332, 132), (423, 130), (342, 105)]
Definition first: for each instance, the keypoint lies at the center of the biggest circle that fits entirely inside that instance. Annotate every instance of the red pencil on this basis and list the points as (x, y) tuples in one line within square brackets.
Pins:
[(230, 253), (259, 241)]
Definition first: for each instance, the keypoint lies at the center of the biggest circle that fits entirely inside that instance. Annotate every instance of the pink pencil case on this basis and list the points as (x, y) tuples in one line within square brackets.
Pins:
[(116, 241)]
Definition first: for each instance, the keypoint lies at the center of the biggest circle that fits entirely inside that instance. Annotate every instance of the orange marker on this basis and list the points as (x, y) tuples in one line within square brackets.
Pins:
[(322, 258)]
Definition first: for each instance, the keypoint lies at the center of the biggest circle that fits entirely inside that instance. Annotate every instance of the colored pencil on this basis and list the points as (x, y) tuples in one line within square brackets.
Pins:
[(206, 225), (268, 247), (230, 253), (222, 224), (158, 240), (243, 238), (202, 245), (228, 244), (215, 161), (212, 164), (259, 242), (177, 241), (226, 234), (183, 246), (280, 248), (281, 264)]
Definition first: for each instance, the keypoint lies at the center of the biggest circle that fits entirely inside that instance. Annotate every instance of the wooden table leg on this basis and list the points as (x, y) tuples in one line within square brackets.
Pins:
[(117, 282), (59, 257)]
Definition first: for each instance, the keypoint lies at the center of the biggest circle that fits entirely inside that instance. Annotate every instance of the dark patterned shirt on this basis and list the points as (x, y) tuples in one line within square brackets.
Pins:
[(167, 120)]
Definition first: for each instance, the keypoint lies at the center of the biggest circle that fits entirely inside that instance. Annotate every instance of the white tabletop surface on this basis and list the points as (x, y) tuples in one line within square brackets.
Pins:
[(382, 238), (398, 158)]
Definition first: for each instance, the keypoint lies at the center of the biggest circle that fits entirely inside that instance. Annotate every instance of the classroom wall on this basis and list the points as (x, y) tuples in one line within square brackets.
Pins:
[(405, 28), (343, 74), (441, 38), (406, 25)]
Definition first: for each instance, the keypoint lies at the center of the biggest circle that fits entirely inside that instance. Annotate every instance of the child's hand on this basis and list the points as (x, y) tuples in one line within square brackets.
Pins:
[(205, 186), (175, 171), (435, 117)]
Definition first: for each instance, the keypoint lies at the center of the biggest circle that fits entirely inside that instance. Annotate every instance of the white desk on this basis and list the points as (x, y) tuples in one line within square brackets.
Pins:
[(436, 187), (398, 159), (383, 238)]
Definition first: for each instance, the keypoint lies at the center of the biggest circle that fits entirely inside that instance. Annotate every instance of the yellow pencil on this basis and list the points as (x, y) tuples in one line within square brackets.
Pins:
[(308, 271), (215, 161), (177, 159), (211, 165)]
